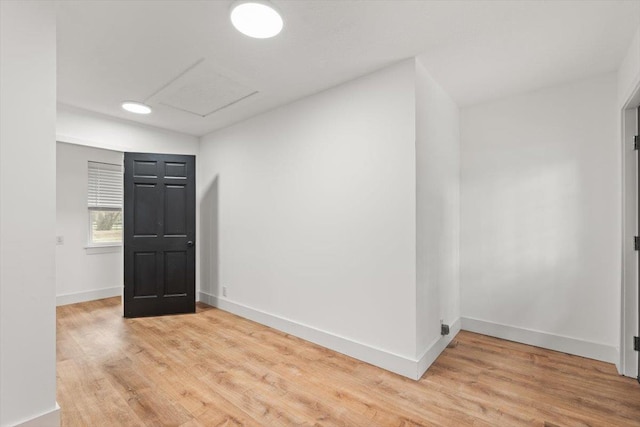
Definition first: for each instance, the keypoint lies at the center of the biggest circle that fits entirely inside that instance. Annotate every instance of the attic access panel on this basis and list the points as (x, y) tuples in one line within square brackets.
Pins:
[(201, 90)]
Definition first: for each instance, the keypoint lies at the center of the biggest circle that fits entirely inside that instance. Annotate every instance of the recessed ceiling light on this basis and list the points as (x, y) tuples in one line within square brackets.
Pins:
[(256, 18), (136, 107)]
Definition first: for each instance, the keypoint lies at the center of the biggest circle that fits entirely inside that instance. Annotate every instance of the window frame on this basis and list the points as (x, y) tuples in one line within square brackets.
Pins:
[(102, 247), (92, 244)]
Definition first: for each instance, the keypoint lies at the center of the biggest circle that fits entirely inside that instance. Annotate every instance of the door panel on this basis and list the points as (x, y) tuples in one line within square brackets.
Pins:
[(175, 212), (159, 234), (175, 278), (175, 170), (144, 212), (145, 169), (145, 268)]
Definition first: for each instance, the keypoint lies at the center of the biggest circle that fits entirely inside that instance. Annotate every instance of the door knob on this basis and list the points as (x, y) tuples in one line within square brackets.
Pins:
[(189, 244)]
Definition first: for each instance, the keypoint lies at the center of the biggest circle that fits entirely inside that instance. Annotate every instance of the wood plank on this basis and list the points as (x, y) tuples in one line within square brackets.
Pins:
[(213, 368)]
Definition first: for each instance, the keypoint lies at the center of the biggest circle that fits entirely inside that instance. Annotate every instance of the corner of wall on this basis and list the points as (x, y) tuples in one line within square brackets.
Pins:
[(437, 215), (431, 353)]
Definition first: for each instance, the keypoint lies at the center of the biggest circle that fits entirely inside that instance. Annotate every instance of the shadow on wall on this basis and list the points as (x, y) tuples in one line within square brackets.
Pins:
[(210, 271)]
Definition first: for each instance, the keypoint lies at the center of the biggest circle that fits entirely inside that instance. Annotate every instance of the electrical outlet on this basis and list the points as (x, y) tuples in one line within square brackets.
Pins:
[(224, 291), (59, 240), (444, 328)]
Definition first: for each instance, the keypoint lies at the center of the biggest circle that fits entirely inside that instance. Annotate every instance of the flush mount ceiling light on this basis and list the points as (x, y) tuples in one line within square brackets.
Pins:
[(256, 18), (136, 107)]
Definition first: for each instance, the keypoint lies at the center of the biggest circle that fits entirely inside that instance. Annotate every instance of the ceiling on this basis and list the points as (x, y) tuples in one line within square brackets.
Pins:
[(186, 60)]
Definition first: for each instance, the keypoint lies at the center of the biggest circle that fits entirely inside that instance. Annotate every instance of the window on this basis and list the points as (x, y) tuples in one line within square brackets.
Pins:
[(105, 204)]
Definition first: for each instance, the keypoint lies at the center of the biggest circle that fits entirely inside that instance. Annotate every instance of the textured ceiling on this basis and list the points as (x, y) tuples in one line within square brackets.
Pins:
[(110, 51)]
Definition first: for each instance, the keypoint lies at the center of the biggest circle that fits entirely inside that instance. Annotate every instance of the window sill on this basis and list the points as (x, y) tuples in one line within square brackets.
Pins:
[(103, 249)]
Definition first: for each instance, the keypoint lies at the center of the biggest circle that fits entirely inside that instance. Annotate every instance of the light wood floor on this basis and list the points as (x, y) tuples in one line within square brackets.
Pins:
[(217, 369)]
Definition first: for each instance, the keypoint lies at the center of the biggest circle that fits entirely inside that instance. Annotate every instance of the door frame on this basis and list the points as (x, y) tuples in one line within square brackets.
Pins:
[(629, 301)]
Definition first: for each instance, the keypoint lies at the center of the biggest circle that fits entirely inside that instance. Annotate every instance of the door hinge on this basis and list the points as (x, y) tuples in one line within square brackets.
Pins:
[(636, 343), (636, 243), (636, 142)]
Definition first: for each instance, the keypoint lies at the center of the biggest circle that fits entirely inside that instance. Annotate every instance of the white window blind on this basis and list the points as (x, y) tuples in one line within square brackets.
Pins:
[(105, 186)]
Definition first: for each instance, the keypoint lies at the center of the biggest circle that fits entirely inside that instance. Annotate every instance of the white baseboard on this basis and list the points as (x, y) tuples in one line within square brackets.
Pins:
[(546, 340), (401, 365), (208, 299), (48, 419), (433, 351), (95, 294)]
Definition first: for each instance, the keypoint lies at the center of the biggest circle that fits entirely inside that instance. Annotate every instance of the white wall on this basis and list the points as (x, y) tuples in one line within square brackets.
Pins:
[(82, 274), (77, 126), (438, 213), (540, 221), (629, 71), (628, 101), (27, 212), (310, 213)]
